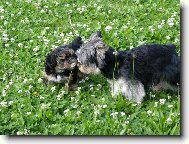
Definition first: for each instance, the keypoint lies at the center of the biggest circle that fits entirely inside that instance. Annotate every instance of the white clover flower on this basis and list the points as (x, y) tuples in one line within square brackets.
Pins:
[(11, 102), (103, 99), (104, 106), (41, 97), (168, 37), (139, 103), (28, 113), (19, 91), (122, 113), (108, 28), (36, 49), (44, 106), (134, 104), (126, 122), (30, 86), (25, 81), (19, 44), (97, 121), (99, 7), (3, 93), (115, 53), (170, 106), (160, 26), (40, 80), (19, 133), (1, 9), (96, 112), (12, 39), (162, 101), (2, 17), (67, 110), (53, 88), (61, 34), (149, 112), (58, 97), (3, 104), (79, 112), (42, 11), (155, 104), (6, 45), (169, 120), (84, 26)]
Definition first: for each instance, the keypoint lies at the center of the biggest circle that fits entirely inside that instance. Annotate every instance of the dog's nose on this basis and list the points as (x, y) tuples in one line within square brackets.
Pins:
[(72, 60)]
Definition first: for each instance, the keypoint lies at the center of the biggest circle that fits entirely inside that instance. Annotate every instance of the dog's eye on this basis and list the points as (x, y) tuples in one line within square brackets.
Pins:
[(61, 61)]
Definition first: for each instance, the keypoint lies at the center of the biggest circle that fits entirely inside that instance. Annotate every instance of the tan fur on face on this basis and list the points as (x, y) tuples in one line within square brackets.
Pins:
[(88, 70)]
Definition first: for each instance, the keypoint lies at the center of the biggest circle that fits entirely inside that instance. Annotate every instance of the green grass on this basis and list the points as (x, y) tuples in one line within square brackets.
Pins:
[(29, 30)]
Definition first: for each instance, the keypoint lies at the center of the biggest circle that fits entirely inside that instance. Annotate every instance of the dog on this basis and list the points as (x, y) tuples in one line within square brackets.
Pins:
[(132, 72), (61, 65)]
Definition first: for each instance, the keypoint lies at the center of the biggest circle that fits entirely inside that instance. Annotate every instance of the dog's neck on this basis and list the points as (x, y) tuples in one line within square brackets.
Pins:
[(111, 64)]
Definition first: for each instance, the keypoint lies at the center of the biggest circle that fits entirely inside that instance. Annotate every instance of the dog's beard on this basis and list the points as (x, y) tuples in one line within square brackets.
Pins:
[(60, 68), (89, 69), (50, 78)]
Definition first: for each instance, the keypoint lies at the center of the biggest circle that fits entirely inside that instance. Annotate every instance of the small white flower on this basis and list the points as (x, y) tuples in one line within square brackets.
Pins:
[(149, 112), (19, 133), (42, 11), (20, 45), (155, 104), (67, 110), (108, 28), (36, 49), (30, 86), (168, 37), (126, 122), (134, 104), (25, 80), (3, 104), (28, 113), (122, 113), (97, 121), (3, 93), (104, 106), (170, 106), (162, 101), (169, 120), (115, 52), (10, 102), (40, 80), (19, 91), (103, 99), (61, 34), (53, 88), (79, 112), (41, 97)]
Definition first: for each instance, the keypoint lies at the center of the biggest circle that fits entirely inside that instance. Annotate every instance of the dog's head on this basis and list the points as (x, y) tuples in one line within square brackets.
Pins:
[(91, 55), (61, 61)]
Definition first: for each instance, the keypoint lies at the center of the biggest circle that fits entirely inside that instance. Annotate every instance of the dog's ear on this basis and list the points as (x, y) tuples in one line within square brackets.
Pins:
[(96, 35), (76, 43)]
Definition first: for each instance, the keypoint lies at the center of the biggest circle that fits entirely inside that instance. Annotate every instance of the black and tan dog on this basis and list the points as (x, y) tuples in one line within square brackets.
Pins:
[(61, 65), (131, 72)]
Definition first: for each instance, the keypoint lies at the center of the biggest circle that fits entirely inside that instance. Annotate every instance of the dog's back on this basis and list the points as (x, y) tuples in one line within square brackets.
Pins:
[(153, 63)]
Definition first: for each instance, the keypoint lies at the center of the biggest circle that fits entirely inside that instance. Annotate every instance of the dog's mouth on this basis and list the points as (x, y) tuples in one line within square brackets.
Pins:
[(87, 69)]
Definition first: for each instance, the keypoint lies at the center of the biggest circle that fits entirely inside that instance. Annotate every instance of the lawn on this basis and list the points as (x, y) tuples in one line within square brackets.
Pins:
[(28, 32)]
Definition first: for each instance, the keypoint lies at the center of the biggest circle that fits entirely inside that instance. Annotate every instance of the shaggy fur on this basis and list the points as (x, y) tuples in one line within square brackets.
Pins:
[(131, 72), (61, 65)]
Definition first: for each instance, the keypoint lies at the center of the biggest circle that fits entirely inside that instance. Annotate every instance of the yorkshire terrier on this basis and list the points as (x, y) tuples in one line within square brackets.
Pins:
[(132, 72), (61, 65)]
